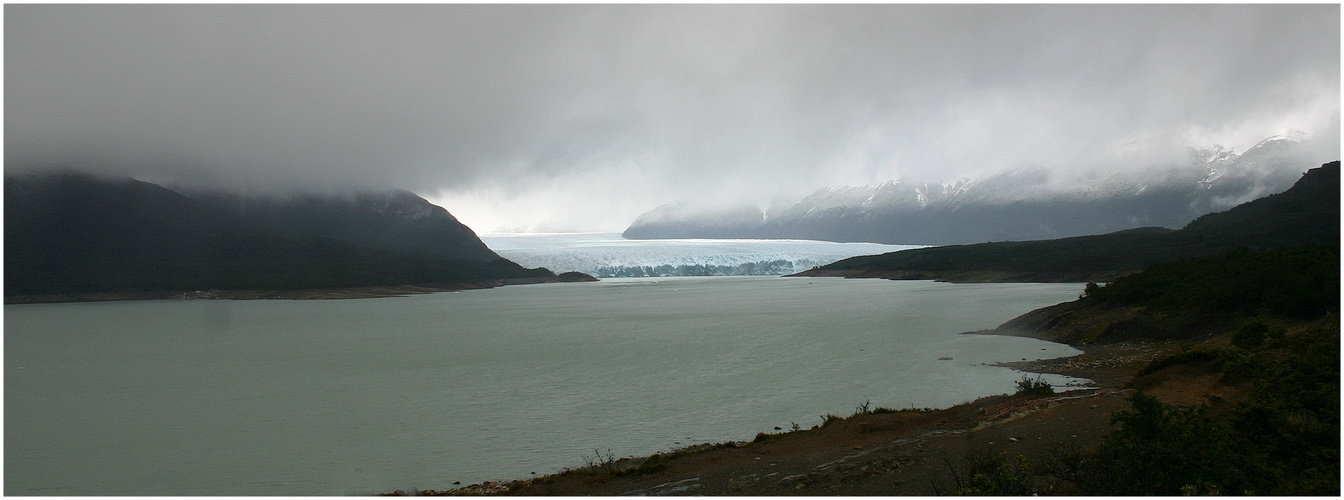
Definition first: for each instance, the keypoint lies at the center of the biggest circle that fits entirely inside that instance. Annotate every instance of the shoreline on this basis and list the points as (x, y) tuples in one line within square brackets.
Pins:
[(1108, 365), (384, 291), (360, 292), (960, 276), (880, 452)]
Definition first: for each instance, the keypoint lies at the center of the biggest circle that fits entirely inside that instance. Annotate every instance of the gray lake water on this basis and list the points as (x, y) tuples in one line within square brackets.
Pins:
[(364, 396)]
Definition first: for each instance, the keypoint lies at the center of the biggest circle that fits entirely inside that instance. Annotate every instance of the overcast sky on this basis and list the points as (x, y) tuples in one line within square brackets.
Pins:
[(579, 118)]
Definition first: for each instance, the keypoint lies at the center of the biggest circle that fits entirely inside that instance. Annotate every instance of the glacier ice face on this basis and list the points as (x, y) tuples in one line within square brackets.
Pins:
[(610, 255)]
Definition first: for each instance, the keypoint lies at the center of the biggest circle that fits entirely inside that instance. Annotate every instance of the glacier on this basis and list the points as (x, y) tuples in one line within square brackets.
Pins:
[(607, 255)]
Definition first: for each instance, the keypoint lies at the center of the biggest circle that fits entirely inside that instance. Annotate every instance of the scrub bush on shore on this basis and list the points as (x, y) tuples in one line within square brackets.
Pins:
[(1278, 311), (1283, 439)]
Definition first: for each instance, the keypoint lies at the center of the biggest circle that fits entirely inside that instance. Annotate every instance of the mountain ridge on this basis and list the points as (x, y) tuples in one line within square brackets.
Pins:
[(1016, 205), (1306, 213), (71, 234), (395, 220)]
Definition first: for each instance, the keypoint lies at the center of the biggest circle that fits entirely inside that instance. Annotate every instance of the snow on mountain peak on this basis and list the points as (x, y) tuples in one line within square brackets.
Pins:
[(1210, 179)]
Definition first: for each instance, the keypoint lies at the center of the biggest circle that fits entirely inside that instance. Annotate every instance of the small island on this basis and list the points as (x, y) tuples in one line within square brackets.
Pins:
[(575, 277)]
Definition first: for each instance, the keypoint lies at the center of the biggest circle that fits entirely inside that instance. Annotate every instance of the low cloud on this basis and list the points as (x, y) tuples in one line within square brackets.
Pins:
[(572, 117)]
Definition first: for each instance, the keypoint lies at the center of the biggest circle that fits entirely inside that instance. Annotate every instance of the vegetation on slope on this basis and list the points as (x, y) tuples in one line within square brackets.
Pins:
[(1196, 298), (1282, 439), (76, 234), (1297, 282), (1270, 320)]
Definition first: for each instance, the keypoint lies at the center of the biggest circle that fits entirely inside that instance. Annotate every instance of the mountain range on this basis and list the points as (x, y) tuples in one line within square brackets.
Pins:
[(1308, 213), (71, 233), (1019, 205)]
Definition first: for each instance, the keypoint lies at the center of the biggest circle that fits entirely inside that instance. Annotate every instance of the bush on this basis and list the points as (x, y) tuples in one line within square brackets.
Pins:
[(1283, 440), (1034, 387), (1089, 289), (601, 463), (865, 408), (993, 475), (1250, 335), (1160, 450), (829, 419)]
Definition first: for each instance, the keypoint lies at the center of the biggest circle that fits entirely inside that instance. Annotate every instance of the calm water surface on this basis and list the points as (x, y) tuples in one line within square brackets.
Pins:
[(365, 396)]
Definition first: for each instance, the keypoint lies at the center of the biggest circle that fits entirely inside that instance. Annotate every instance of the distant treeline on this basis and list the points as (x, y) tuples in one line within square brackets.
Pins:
[(1298, 282)]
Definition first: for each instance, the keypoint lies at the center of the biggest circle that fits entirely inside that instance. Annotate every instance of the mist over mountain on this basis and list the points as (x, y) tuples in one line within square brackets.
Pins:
[(1307, 213), (392, 220), (70, 233), (1016, 205), (579, 118)]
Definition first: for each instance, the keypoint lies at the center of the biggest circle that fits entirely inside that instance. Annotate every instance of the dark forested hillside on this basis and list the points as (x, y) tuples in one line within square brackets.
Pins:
[(1306, 213), (1193, 297), (77, 234), (398, 221), (1265, 326)]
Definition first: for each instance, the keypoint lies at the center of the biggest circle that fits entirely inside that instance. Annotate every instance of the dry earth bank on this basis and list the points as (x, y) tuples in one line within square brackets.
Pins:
[(885, 452)]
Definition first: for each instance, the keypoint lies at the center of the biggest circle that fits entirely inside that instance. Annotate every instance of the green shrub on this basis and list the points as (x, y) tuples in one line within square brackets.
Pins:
[(1250, 335), (994, 475), (1159, 450), (1282, 440), (654, 463), (829, 419), (1034, 387), (1187, 357)]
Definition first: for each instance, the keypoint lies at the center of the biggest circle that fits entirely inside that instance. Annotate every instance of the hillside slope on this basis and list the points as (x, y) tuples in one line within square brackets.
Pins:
[(1306, 213), (397, 221), (72, 233)]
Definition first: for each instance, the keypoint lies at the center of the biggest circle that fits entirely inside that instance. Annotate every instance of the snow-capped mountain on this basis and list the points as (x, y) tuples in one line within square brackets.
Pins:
[(1023, 204)]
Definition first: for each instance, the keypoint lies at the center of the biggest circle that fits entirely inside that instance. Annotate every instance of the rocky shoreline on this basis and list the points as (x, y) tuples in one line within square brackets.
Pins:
[(878, 452)]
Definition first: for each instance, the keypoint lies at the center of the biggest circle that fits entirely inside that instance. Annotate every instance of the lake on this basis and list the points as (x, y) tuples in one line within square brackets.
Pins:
[(213, 397)]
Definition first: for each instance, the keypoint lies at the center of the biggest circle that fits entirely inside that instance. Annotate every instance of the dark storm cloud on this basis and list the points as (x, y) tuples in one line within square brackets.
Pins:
[(519, 107)]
